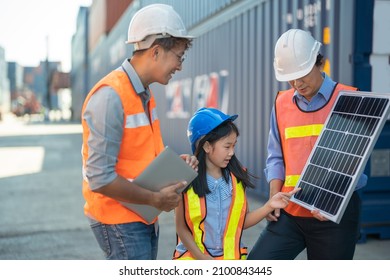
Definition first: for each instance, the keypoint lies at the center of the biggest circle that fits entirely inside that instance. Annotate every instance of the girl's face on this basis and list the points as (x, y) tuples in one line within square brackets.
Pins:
[(220, 152)]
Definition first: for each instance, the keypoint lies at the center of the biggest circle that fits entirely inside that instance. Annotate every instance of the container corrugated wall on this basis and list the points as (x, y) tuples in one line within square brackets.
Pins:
[(195, 11), (374, 61), (79, 73), (111, 50), (114, 10)]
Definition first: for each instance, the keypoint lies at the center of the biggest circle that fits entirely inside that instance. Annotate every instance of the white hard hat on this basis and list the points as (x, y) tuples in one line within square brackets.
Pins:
[(153, 22), (295, 55)]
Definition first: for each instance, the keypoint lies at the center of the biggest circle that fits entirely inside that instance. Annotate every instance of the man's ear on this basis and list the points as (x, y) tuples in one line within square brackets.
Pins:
[(155, 50)]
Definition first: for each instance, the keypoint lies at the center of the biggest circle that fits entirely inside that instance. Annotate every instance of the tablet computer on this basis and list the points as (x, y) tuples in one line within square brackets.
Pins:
[(166, 169)]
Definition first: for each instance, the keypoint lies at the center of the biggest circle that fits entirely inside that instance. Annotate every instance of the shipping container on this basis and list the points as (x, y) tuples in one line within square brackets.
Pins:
[(109, 53), (375, 217), (103, 15), (79, 75), (230, 65)]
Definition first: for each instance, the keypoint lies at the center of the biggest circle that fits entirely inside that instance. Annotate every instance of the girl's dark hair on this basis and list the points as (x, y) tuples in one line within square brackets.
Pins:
[(200, 183)]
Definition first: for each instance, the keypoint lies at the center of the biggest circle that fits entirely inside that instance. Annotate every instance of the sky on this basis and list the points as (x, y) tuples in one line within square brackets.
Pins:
[(30, 30)]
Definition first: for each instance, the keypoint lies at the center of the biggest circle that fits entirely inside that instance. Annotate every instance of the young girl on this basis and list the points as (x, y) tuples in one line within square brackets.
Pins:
[(214, 211)]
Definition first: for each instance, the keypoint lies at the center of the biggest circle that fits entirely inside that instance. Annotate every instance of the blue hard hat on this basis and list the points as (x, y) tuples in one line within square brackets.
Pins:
[(203, 121)]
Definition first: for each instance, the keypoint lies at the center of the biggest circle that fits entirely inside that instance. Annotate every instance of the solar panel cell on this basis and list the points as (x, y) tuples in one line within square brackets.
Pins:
[(338, 183), (328, 202), (372, 107), (308, 193)]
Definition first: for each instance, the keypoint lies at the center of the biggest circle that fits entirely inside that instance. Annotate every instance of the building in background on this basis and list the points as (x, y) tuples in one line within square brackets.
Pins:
[(59, 88), (16, 85), (5, 95), (38, 82)]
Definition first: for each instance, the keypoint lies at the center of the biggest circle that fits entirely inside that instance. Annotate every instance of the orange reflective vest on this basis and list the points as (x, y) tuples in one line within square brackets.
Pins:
[(141, 143), (298, 131), (195, 215)]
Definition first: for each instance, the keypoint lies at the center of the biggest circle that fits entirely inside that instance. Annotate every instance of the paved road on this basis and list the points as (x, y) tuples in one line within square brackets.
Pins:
[(41, 203)]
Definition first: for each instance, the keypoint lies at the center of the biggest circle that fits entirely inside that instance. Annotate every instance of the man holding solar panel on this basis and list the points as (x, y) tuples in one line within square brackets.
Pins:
[(296, 122)]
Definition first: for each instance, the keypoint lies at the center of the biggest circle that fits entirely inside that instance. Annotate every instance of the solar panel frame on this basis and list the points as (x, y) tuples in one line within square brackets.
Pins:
[(346, 123)]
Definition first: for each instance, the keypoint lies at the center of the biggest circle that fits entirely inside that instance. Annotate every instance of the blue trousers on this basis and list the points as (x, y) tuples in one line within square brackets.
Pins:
[(131, 241), (289, 236)]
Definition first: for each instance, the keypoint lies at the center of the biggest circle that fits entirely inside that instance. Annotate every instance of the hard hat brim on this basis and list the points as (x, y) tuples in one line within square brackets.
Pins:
[(293, 76)]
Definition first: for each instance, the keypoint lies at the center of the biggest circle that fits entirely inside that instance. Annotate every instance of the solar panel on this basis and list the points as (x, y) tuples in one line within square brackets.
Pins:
[(341, 152)]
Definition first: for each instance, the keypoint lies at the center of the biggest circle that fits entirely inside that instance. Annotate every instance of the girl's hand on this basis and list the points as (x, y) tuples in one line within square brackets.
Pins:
[(191, 161), (281, 199)]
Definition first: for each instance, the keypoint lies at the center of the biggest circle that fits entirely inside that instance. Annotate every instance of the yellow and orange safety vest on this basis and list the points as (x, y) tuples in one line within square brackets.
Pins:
[(195, 215)]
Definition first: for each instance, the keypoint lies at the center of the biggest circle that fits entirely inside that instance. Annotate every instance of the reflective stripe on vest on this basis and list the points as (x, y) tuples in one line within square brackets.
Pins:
[(232, 236), (298, 132), (291, 180), (140, 119), (195, 214), (303, 131)]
